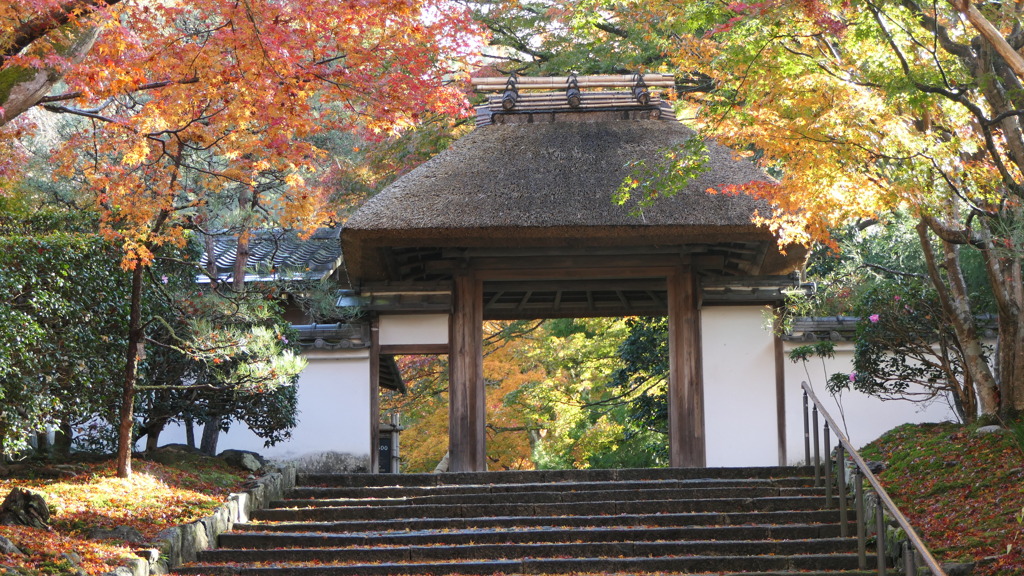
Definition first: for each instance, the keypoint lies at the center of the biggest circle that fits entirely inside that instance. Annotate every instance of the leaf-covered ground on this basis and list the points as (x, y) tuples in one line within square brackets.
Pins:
[(962, 491), (156, 497)]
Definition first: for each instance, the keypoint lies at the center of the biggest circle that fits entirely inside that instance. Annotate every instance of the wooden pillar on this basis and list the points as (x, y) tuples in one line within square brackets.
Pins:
[(374, 395), (466, 412), (780, 392), (686, 377)]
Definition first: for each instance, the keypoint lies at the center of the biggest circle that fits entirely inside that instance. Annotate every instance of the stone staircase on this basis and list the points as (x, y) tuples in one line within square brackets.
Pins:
[(751, 521)]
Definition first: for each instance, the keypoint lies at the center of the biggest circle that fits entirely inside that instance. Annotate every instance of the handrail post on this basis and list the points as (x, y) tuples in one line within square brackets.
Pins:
[(858, 499), (880, 536), (817, 453), (909, 564), (844, 518), (828, 467), (807, 431), (864, 476)]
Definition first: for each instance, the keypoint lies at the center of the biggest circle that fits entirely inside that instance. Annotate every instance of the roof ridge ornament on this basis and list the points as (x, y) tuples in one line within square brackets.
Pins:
[(541, 99), (572, 92), (640, 91), (511, 94)]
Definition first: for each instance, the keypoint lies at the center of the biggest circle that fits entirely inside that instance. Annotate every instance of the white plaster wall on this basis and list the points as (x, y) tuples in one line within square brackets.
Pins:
[(739, 387), (413, 329), (739, 394), (334, 413), (862, 418)]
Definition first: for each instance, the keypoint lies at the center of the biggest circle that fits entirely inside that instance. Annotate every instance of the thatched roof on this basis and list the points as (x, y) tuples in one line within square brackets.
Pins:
[(551, 185)]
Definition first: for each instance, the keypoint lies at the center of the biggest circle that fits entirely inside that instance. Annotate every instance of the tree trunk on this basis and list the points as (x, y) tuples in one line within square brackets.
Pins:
[(211, 433), (190, 432), (43, 443), (62, 440), (245, 198), (954, 299), (1010, 360), (22, 88), (126, 420), (1003, 265), (153, 434)]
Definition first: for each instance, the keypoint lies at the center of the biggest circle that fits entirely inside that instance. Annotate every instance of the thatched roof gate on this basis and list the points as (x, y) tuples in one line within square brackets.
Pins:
[(516, 220)]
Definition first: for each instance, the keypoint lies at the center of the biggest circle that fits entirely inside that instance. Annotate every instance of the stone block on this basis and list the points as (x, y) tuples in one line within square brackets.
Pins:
[(288, 478), (193, 540), (232, 507), (216, 524), (169, 542), (137, 566), (242, 502), (257, 497)]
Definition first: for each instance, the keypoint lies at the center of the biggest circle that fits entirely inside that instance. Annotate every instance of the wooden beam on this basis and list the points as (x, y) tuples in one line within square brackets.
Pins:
[(555, 263), (653, 295), (466, 410), (686, 381), (495, 297), (627, 284), (780, 389), (573, 273), (402, 349), (527, 252), (524, 299), (374, 395), (622, 299)]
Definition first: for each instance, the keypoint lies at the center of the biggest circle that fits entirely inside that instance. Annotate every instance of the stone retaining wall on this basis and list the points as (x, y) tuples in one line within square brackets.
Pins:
[(179, 545)]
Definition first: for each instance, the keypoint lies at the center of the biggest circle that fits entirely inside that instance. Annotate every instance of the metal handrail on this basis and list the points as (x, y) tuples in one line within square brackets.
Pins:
[(861, 471)]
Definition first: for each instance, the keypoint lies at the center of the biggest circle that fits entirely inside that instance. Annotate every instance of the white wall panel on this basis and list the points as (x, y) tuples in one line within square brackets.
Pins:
[(739, 387), (399, 329)]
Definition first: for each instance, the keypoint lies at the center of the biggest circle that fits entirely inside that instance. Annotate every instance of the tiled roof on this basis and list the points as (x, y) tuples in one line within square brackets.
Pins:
[(277, 254)]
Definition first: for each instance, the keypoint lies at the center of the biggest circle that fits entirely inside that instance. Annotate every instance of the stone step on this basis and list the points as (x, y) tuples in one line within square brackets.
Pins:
[(753, 521), (610, 507), (584, 520), (530, 565), (336, 497), (783, 485), (539, 476), (460, 552), (521, 535)]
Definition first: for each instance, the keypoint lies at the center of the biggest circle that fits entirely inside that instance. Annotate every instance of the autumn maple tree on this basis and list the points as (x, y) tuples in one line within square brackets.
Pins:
[(188, 106), (862, 110), (865, 109)]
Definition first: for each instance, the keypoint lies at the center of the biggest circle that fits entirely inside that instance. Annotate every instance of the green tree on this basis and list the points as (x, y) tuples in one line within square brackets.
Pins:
[(62, 326), (869, 108), (552, 402), (556, 38)]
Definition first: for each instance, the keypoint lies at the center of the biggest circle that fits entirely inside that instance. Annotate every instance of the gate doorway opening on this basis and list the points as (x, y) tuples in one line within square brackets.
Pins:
[(560, 394)]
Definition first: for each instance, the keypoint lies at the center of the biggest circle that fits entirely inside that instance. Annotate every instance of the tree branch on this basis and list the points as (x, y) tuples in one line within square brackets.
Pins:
[(990, 33), (149, 86), (611, 29), (38, 27), (78, 112), (895, 272)]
